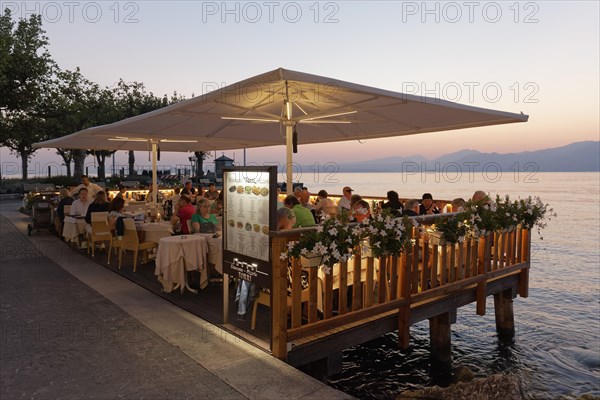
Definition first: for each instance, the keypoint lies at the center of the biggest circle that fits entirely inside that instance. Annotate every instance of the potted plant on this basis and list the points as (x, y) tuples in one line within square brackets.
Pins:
[(386, 235), (532, 212), (452, 230), (330, 243)]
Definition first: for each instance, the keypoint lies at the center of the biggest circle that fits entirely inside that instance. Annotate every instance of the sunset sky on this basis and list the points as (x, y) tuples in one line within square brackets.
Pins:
[(540, 58)]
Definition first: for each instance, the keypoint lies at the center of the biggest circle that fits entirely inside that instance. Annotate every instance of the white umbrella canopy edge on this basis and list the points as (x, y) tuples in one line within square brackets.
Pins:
[(266, 110)]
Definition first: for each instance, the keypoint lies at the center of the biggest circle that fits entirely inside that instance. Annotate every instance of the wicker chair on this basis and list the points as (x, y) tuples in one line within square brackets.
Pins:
[(131, 241), (99, 231)]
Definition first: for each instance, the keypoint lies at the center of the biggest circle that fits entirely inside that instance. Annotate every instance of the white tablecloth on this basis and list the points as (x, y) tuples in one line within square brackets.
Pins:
[(215, 250), (73, 227), (178, 254), (154, 231)]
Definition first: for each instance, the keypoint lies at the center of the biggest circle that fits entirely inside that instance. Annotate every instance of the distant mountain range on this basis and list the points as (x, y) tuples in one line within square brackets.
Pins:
[(575, 157)]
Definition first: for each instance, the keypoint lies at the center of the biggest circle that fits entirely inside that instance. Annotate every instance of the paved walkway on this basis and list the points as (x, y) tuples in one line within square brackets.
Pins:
[(71, 329)]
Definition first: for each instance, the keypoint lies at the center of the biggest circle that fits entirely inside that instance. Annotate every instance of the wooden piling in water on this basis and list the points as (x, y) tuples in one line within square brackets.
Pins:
[(440, 339), (505, 318)]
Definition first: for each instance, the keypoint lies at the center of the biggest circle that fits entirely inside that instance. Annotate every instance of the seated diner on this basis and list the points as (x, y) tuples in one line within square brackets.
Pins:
[(304, 217), (203, 216)]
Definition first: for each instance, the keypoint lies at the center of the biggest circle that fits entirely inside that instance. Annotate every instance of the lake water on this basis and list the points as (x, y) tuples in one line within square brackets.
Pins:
[(556, 350)]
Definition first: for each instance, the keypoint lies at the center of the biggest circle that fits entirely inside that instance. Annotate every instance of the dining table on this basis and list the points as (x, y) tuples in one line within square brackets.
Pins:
[(154, 231), (73, 227), (215, 250), (176, 256)]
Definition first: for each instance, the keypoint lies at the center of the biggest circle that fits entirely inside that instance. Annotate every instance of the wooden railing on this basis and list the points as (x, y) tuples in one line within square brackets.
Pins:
[(363, 288)]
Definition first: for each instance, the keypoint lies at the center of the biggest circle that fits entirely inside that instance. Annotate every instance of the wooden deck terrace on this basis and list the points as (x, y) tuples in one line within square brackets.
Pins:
[(367, 297)]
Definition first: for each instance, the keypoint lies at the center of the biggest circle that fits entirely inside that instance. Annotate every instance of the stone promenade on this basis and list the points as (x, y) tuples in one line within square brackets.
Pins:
[(71, 329)]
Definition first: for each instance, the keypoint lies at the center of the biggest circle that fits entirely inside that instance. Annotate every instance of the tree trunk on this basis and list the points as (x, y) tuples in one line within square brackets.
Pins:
[(24, 162), (200, 164), (78, 164), (101, 158), (131, 163), (199, 168), (67, 158)]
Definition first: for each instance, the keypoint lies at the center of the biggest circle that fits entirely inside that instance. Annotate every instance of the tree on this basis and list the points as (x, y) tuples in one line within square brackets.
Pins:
[(131, 162), (73, 103), (132, 99), (67, 156), (25, 71), (201, 156)]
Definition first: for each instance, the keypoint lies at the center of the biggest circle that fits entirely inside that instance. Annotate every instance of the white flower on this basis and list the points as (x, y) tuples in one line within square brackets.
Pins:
[(283, 256), (326, 269), (319, 228), (361, 211)]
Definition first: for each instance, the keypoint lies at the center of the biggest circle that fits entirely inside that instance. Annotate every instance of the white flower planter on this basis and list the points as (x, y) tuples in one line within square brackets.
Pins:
[(311, 260), (437, 238)]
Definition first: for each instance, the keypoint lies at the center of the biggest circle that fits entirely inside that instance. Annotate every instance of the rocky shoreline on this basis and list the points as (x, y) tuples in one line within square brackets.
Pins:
[(494, 387), (466, 386)]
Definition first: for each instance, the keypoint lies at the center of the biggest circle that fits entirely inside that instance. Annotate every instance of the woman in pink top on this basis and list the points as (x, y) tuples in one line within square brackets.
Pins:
[(185, 213)]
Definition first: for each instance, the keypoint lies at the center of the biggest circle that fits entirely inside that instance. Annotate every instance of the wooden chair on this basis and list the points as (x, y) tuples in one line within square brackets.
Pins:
[(99, 231), (131, 241), (265, 299)]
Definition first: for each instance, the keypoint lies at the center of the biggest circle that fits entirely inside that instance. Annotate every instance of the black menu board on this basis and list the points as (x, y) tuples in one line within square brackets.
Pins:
[(250, 202)]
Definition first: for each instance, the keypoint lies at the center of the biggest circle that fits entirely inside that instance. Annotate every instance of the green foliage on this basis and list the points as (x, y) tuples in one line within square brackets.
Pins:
[(61, 181), (453, 228), (40, 101), (25, 71), (481, 218), (386, 234), (333, 240)]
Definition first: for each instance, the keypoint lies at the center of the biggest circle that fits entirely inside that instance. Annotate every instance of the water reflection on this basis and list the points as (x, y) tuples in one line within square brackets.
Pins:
[(556, 348)]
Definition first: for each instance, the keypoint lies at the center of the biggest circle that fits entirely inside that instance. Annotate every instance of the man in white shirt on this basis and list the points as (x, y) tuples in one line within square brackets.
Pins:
[(344, 203), (91, 188), (80, 206), (324, 204)]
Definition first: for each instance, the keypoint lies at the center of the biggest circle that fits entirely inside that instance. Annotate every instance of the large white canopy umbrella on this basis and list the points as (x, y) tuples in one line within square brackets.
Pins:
[(268, 110)]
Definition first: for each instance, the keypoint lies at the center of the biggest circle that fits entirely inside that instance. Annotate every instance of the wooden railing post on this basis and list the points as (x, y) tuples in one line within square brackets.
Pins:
[(524, 275), (382, 279), (356, 280), (483, 261), (370, 282), (404, 284), (296, 285), (425, 273), (343, 289), (279, 299)]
